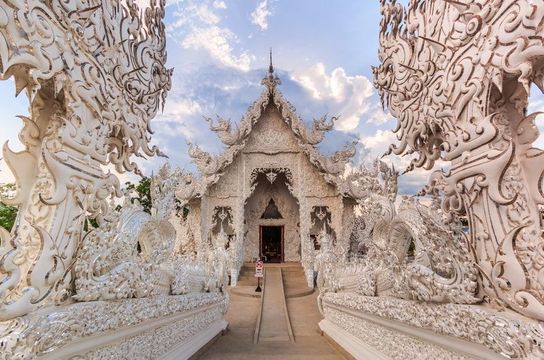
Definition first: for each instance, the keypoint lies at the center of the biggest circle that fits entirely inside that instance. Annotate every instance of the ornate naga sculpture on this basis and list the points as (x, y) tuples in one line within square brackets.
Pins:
[(95, 75), (439, 270), (325, 260), (132, 254), (127, 256), (223, 130), (218, 259), (457, 75)]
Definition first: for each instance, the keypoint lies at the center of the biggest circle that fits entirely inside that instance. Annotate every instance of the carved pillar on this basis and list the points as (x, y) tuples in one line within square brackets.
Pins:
[(205, 220), (238, 245), (95, 77), (457, 76), (306, 244), (342, 243), (59, 183)]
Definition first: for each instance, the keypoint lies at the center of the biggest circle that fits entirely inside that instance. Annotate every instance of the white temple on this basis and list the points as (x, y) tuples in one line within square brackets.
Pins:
[(396, 278), (270, 191)]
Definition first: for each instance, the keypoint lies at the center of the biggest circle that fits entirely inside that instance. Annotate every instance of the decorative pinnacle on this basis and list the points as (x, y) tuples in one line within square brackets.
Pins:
[(271, 80), (271, 67)]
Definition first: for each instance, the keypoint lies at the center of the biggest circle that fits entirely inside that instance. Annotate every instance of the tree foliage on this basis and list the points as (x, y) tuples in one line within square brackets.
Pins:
[(7, 213), (143, 192)]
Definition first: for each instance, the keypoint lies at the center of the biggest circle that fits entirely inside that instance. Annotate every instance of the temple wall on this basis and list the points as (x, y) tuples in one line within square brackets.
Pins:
[(230, 184)]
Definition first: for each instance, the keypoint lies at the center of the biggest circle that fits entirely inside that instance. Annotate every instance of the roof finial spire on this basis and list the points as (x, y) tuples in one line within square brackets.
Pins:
[(271, 67), (271, 80)]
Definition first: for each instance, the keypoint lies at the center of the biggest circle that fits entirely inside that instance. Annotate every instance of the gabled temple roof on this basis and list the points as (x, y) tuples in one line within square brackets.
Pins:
[(235, 139)]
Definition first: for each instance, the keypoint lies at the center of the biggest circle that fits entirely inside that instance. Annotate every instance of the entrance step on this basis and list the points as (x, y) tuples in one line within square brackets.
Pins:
[(294, 281), (247, 275), (247, 291), (273, 324)]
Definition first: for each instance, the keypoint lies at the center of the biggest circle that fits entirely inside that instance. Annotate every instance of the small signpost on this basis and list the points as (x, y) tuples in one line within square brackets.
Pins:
[(259, 274)]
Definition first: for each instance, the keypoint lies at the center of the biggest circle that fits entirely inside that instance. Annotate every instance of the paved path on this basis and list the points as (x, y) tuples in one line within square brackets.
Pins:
[(274, 322), (242, 314)]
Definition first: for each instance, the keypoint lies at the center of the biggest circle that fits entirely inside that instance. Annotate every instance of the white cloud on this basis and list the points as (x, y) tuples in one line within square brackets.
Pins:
[(378, 143), (260, 15), (219, 4), (6, 176), (218, 43), (351, 97), (191, 15), (176, 109), (536, 104), (197, 25)]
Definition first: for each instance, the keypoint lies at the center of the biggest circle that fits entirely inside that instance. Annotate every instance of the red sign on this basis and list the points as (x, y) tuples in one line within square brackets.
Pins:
[(259, 268)]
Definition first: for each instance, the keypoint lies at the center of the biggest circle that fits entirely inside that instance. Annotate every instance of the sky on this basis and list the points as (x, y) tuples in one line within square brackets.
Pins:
[(322, 51)]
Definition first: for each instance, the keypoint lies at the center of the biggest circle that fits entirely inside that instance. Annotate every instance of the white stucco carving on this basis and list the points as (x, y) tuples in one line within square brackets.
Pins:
[(95, 75), (90, 106), (457, 76), (132, 254), (438, 270)]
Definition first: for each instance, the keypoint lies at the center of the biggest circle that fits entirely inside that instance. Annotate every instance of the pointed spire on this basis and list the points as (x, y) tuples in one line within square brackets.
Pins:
[(271, 67), (271, 80)]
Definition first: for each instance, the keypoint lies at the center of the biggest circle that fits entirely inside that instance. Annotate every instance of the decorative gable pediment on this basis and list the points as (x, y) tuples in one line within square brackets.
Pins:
[(271, 135), (271, 126)]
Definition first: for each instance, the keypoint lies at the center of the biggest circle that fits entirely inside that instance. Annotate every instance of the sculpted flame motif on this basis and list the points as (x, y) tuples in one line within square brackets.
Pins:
[(457, 75), (95, 75)]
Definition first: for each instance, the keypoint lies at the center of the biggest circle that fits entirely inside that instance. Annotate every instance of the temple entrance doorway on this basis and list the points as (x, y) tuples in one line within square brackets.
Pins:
[(271, 244), (271, 217)]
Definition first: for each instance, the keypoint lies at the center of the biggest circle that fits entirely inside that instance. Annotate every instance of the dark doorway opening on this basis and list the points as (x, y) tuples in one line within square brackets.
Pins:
[(272, 244)]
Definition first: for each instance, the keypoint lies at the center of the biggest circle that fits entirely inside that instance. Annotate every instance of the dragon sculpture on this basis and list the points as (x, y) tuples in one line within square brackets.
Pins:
[(457, 76), (439, 270), (132, 253)]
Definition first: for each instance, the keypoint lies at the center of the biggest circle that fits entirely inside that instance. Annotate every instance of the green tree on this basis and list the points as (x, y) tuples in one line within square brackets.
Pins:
[(143, 190), (7, 213)]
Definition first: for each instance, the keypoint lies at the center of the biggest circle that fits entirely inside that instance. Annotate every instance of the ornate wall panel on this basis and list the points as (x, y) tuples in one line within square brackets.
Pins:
[(271, 135), (502, 333), (130, 330)]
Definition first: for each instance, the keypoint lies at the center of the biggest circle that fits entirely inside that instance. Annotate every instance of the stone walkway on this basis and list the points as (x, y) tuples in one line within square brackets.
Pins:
[(242, 315), (274, 322)]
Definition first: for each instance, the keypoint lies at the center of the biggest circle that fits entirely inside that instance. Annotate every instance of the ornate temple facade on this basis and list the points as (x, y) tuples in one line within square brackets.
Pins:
[(397, 276), (271, 191)]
